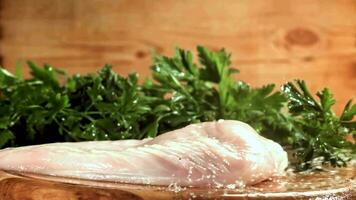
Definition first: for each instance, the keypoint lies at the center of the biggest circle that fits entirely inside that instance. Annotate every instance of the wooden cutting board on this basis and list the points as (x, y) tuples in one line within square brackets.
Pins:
[(333, 184)]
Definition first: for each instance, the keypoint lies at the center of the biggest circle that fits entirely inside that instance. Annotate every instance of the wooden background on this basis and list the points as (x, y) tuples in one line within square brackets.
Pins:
[(270, 40)]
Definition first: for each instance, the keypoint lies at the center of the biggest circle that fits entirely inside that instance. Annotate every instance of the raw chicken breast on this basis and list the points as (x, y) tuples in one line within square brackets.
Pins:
[(210, 154)]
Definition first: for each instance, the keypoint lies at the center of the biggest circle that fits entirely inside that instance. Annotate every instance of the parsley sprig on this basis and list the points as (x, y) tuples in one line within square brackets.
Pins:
[(318, 135)]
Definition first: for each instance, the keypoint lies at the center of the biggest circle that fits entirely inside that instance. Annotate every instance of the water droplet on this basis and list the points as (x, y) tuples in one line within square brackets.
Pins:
[(231, 186), (174, 187), (192, 195)]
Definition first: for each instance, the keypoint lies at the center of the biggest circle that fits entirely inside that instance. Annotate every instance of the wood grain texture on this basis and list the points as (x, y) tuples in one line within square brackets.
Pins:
[(321, 185), (271, 40)]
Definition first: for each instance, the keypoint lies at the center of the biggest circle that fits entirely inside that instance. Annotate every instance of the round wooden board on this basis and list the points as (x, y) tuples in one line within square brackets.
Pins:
[(333, 184)]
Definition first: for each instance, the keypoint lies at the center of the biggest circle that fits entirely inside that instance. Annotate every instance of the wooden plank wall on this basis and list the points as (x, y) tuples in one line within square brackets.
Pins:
[(270, 40)]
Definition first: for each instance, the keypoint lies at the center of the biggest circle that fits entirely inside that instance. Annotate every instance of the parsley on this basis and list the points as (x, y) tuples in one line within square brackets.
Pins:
[(53, 107), (318, 135), (104, 106)]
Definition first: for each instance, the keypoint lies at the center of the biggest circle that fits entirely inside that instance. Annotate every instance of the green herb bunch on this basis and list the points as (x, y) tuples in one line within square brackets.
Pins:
[(53, 107), (103, 106)]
